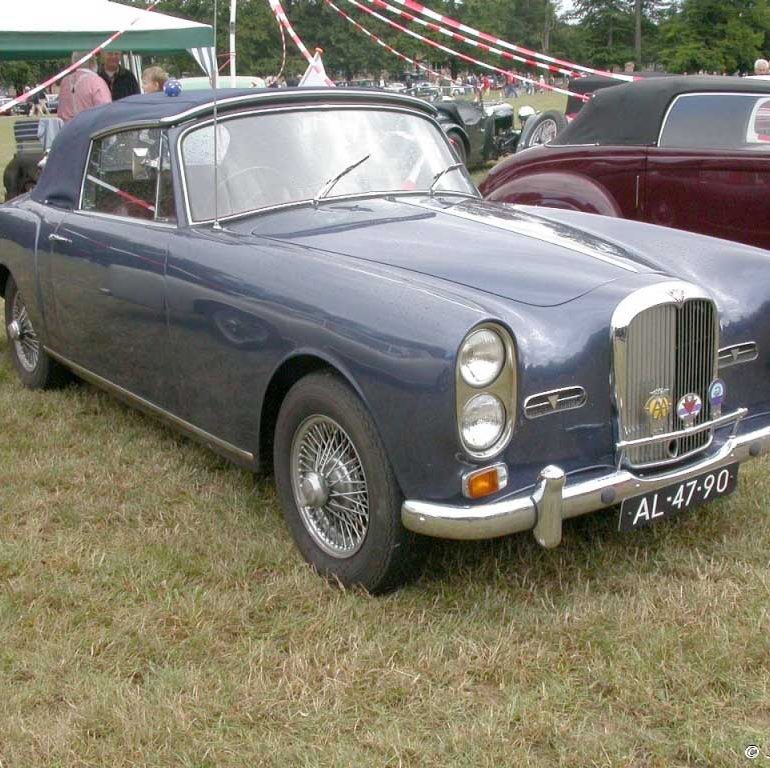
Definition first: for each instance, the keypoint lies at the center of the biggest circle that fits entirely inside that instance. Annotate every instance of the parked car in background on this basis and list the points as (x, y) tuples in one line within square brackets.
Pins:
[(409, 360), (478, 132), (685, 152), (23, 170)]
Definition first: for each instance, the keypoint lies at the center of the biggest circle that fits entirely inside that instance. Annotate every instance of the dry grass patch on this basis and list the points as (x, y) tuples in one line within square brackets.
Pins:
[(153, 611)]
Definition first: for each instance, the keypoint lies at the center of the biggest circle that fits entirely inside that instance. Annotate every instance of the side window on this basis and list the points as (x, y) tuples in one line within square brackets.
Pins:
[(129, 175), (759, 125), (710, 121)]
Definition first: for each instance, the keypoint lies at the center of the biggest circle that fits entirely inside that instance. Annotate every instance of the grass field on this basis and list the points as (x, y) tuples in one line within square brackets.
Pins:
[(154, 612)]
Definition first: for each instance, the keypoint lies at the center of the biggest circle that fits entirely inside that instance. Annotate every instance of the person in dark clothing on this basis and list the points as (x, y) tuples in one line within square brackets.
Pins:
[(120, 81)]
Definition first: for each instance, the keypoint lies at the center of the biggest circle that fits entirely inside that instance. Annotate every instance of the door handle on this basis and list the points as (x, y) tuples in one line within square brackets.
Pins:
[(53, 238)]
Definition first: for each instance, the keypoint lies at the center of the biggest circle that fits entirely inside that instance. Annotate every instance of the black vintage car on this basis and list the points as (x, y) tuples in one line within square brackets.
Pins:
[(478, 132)]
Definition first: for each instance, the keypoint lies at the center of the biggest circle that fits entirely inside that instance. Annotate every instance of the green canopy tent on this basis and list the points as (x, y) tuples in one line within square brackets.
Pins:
[(49, 29)]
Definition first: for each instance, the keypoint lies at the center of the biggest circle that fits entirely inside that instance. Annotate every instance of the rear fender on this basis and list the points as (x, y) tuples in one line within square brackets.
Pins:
[(558, 190)]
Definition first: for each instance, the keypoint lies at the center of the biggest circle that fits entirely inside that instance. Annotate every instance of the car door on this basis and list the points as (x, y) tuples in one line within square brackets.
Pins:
[(107, 264), (710, 172)]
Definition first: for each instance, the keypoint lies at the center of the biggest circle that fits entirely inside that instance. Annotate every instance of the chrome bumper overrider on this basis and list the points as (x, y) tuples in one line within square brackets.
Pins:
[(555, 499)]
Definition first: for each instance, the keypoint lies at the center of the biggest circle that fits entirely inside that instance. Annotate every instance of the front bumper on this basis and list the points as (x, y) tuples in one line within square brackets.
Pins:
[(554, 499)]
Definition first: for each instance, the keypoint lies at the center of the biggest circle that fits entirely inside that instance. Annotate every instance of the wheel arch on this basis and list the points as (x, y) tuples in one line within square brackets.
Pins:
[(557, 189), (285, 376)]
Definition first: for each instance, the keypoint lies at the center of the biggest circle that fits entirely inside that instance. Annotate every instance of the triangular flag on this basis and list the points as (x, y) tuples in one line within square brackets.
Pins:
[(315, 74)]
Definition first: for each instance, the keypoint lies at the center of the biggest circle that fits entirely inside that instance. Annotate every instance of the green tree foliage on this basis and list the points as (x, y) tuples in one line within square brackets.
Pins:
[(715, 35), (681, 35)]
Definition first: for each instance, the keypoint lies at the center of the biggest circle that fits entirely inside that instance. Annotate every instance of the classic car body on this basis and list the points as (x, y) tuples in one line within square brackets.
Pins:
[(478, 132), (685, 152), (408, 358)]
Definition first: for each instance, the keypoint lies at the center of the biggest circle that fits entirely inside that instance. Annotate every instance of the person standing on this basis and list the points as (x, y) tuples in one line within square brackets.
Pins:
[(82, 89), (154, 79), (762, 69), (120, 80)]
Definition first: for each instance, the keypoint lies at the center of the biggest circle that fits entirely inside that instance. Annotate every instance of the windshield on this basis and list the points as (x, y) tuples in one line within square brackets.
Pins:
[(287, 157)]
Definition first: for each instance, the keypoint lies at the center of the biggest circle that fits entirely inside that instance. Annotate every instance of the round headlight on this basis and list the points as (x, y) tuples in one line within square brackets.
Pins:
[(483, 422), (482, 358)]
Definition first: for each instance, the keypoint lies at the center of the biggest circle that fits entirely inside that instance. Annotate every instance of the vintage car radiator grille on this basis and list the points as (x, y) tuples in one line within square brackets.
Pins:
[(670, 351)]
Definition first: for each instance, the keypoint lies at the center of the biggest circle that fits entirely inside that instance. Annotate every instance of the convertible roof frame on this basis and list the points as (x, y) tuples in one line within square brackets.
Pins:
[(70, 151)]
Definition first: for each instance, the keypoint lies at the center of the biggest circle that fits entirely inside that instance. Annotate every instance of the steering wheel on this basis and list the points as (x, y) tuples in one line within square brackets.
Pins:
[(254, 170)]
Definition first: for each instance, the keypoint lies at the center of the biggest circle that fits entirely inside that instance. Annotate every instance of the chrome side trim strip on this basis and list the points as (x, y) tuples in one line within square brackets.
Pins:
[(155, 410), (547, 503)]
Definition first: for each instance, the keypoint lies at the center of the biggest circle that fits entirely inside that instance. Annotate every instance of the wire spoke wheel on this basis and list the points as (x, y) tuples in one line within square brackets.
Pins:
[(23, 335), (545, 132), (329, 486)]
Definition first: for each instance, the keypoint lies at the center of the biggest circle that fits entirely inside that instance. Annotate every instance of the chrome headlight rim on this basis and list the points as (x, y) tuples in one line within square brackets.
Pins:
[(464, 365), (491, 400), (504, 387)]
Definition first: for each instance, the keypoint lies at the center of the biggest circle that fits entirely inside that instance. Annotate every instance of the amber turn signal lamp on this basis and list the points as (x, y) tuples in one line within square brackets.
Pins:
[(485, 482)]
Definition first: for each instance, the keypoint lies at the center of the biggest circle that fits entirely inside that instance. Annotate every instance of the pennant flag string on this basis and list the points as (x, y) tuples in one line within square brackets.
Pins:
[(280, 14), (382, 42), (463, 56), (475, 43), (417, 7)]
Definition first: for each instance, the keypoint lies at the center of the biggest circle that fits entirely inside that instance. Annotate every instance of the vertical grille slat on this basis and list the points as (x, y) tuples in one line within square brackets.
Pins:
[(670, 347)]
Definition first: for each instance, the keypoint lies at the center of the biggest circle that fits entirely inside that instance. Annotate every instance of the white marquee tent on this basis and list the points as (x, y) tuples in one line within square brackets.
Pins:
[(47, 29)]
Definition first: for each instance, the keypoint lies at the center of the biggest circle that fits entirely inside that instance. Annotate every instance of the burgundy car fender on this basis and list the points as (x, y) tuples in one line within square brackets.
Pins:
[(557, 190)]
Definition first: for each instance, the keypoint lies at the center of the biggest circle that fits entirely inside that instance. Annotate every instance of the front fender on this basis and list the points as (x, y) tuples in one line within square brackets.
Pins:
[(571, 191)]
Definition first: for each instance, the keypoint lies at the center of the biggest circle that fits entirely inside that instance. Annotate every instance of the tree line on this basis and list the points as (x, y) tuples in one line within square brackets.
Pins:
[(674, 36)]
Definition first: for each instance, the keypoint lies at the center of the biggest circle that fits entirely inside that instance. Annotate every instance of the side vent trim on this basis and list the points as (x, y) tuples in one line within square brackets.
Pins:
[(746, 352), (554, 401)]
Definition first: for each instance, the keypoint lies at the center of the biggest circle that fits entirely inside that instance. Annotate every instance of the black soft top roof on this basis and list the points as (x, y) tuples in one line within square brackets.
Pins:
[(59, 184), (631, 114)]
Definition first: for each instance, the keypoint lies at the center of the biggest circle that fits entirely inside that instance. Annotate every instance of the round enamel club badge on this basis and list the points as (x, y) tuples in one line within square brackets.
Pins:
[(688, 408), (717, 392)]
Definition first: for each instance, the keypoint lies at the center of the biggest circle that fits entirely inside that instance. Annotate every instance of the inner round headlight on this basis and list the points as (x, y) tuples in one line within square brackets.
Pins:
[(483, 422), (482, 358)]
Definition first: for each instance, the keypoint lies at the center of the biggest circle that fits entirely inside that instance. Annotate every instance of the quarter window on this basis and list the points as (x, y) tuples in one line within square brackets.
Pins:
[(718, 121), (129, 175)]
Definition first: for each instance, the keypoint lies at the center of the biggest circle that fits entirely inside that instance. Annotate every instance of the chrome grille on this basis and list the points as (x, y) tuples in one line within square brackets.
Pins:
[(669, 349)]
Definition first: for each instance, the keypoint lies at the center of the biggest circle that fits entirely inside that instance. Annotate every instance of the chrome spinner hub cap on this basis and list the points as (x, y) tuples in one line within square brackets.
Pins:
[(329, 486), (23, 336)]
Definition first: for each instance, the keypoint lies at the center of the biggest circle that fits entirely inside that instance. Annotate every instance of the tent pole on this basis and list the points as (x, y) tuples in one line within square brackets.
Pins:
[(232, 43)]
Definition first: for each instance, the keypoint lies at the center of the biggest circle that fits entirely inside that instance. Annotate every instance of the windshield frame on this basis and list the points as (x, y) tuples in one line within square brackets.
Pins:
[(352, 106)]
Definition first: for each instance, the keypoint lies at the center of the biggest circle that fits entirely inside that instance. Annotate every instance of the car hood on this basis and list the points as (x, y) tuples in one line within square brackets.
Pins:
[(494, 248)]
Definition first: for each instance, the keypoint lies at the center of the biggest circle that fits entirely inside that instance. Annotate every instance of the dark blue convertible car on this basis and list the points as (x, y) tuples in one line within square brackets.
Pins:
[(312, 283)]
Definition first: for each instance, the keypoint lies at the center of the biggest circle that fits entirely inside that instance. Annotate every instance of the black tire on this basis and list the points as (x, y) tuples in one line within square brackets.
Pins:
[(34, 366), (386, 555), (551, 122), (458, 143)]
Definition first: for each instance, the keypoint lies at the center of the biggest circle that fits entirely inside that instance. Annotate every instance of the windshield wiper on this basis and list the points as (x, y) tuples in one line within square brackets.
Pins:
[(331, 183), (441, 174)]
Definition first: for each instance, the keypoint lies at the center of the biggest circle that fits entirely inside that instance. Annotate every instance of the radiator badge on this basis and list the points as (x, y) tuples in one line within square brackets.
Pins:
[(688, 408), (658, 405), (717, 394)]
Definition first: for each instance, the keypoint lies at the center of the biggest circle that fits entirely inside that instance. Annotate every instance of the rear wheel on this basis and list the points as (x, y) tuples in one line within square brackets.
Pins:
[(34, 366), (337, 489), (541, 129)]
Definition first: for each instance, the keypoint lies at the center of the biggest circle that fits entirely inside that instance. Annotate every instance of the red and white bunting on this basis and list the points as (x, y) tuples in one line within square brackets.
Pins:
[(413, 5), (280, 14), (475, 43), (464, 57), (72, 67), (381, 43)]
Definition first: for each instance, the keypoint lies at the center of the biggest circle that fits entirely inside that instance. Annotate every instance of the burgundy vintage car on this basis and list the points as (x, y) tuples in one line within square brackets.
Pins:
[(685, 152)]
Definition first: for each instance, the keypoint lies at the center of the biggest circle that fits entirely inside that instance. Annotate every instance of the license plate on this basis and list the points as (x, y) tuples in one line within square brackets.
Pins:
[(669, 501)]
